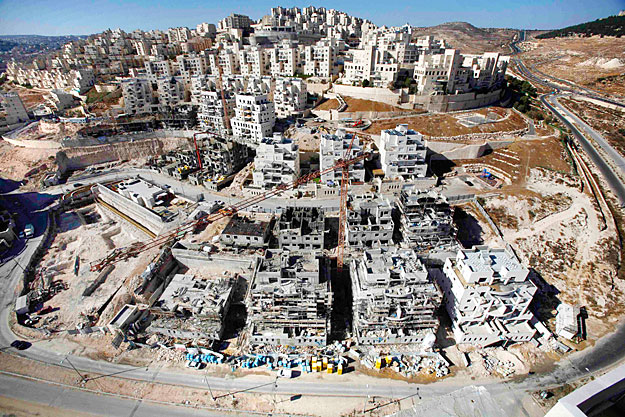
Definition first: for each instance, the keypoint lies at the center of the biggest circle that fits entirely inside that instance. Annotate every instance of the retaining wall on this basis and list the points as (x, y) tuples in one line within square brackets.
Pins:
[(455, 150), (384, 95), (454, 102)]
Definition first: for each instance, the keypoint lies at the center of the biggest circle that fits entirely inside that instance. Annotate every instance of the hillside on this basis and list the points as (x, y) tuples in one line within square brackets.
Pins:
[(609, 26), (468, 38)]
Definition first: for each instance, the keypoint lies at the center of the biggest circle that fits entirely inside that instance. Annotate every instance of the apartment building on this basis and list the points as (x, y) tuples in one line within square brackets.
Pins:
[(426, 219), (222, 156), (377, 66), (395, 299), (254, 61), (170, 93), (403, 153), (369, 222), (211, 114), (289, 97), (138, 97), (290, 301), (301, 229), (487, 295), (276, 162), (178, 35), (13, 109), (191, 65), (157, 68), (334, 147), (255, 117), (454, 73), (235, 21), (284, 59), (321, 59)]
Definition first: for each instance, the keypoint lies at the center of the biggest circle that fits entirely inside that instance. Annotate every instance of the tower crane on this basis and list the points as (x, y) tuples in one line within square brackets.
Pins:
[(133, 250), (340, 249)]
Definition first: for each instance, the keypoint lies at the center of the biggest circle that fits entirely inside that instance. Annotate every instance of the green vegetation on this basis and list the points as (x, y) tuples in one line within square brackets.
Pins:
[(94, 97), (365, 83), (522, 95), (609, 26)]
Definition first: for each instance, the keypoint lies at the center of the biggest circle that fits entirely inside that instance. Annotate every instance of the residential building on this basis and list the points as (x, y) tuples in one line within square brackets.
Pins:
[(487, 294), (13, 109), (276, 162), (426, 219), (170, 93), (191, 65), (255, 117), (244, 232), (369, 222), (321, 59), (334, 147), (395, 300), (235, 21), (192, 308), (138, 98), (289, 97), (402, 154), (301, 229), (284, 59), (290, 301)]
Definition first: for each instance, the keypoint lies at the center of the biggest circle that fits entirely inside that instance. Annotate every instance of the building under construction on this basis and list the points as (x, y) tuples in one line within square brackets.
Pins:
[(426, 219), (394, 298), (192, 308), (369, 222), (290, 300), (301, 229)]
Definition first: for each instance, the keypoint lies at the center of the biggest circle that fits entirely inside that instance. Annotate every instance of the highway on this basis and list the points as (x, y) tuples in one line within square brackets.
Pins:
[(567, 117)]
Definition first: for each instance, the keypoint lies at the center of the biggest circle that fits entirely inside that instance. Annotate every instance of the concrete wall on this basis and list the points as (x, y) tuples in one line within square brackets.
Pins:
[(454, 102), (141, 215), (34, 144), (383, 95), (197, 259), (457, 150)]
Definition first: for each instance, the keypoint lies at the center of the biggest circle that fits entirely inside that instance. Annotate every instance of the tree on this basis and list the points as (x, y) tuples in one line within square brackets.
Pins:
[(365, 83)]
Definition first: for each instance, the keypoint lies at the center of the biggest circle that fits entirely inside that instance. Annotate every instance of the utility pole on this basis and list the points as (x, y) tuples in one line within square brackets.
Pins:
[(83, 378), (208, 385)]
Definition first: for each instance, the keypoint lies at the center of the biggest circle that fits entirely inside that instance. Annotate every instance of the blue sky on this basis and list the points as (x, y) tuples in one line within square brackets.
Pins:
[(79, 17)]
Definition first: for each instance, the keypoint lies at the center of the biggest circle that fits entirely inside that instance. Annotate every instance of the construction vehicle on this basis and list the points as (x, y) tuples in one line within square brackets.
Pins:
[(121, 254)]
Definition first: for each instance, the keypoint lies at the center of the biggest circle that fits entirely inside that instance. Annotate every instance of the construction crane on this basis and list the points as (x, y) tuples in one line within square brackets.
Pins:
[(131, 251), (340, 249)]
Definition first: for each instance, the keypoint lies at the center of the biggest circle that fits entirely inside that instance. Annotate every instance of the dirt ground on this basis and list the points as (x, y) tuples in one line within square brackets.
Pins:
[(586, 61), (448, 124), (610, 123), (468, 38), (90, 242), (16, 161), (31, 97), (18, 408), (356, 104)]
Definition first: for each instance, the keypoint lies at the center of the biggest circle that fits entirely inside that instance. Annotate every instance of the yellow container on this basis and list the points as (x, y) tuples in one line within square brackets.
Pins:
[(325, 363), (330, 368), (339, 369), (378, 363), (389, 360)]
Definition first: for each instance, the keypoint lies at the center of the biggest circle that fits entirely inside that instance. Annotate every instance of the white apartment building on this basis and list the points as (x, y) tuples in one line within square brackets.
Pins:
[(206, 29), (178, 35), (138, 98), (211, 113), (235, 21), (254, 118), (276, 162), (284, 59), (369, 222), (254, 61), (332, 148), (453, 73), (402, 154), (170, 92), (321, 59), (228, 60), (395, 300), (487, 295), (191, 65), (13, 109), (156, 68), (289, 97), (378, 67)]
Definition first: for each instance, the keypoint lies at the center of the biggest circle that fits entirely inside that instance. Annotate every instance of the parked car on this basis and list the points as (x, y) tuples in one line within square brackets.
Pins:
[(21, 344)]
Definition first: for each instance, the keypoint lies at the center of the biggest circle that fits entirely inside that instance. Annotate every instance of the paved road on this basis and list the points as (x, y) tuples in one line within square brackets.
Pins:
[(64, 398), (617, 186)]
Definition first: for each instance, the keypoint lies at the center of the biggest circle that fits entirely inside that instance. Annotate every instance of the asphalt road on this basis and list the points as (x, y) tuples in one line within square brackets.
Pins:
[(64, 398), (614, 182)]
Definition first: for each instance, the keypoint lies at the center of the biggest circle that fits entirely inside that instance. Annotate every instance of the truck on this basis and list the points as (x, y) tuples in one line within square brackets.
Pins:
[(29, 231)]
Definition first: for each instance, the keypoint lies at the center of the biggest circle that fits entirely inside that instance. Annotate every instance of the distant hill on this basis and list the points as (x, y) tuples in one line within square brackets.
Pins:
[(468, 38), (609, 26)]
